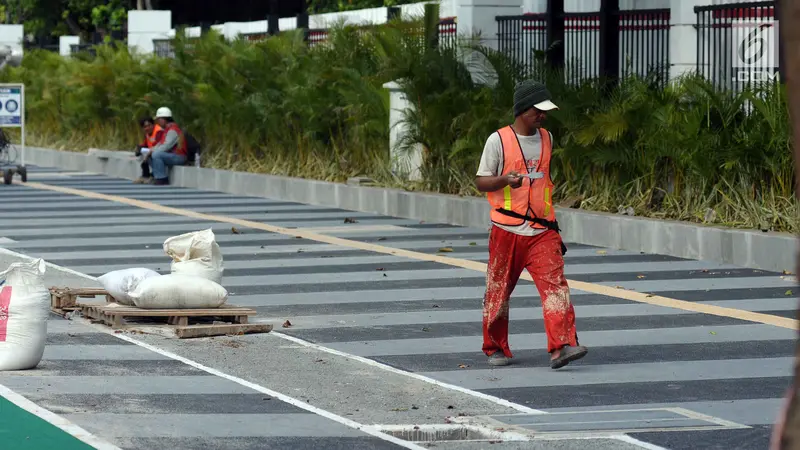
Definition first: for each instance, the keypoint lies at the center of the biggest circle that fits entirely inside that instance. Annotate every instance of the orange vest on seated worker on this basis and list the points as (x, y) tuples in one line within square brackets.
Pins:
[(153, 139), (534, 198), (180, 148)]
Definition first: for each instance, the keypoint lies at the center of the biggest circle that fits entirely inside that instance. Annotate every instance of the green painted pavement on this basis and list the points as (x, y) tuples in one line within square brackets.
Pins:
[(21, 430)]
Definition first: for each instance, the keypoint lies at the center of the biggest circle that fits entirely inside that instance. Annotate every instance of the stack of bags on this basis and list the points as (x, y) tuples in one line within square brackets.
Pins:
[(24, 308), (194, 281)]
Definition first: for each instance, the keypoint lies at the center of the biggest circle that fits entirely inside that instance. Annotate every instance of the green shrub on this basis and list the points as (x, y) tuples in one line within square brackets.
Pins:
[(683, 152)]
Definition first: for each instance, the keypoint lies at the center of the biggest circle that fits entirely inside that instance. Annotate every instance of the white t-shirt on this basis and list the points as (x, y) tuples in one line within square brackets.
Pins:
[(492, 165)]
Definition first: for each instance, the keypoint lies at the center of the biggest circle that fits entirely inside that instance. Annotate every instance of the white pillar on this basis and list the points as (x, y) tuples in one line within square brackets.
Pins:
[(478, 16), (683, 37), (144, 26), (534, 6), (65, 44), (11, 36), (404, 163)]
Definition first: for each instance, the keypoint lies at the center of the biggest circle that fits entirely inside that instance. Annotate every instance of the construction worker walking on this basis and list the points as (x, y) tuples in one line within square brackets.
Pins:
[(515, 173)]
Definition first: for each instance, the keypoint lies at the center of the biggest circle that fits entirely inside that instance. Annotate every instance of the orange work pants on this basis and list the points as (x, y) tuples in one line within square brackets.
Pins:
[(509, 254)]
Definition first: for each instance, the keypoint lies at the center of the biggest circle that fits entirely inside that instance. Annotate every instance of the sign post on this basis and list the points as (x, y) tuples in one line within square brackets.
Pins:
[(12, 111)]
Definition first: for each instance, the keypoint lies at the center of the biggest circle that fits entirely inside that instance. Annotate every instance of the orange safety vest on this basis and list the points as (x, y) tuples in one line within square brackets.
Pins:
[(153, 139), (533, 200), (180, 147)]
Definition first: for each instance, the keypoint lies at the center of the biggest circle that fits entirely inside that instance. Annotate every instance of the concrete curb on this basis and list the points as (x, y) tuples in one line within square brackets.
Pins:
[(754, 249)]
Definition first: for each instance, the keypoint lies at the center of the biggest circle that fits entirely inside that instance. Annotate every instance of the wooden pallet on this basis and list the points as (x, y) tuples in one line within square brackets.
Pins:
[(187, 323), (63, 300)]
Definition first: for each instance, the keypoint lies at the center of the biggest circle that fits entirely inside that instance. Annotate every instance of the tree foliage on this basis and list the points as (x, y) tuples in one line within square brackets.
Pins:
[(62, 17)]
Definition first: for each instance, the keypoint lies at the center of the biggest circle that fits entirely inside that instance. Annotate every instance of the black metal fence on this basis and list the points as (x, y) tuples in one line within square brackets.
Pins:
[(522, 38), (738, 44), (644, 43), (642, 40), (581, 46), (447, 34), (51, 43), (89, 49), (163, 48)]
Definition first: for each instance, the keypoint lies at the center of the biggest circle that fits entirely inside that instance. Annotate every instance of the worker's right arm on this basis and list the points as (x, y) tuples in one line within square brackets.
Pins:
[(488, 178), (169, 141)]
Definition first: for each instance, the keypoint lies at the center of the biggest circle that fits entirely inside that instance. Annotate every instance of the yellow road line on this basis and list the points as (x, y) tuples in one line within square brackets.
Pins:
[(640, 297)]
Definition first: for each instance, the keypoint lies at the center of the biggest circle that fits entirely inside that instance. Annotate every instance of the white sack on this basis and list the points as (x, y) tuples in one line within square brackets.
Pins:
[(24, 308), (120, 283), (177, 291), (196, 253)]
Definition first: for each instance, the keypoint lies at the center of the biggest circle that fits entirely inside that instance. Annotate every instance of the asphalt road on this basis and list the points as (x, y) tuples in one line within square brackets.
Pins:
[(361, 321)]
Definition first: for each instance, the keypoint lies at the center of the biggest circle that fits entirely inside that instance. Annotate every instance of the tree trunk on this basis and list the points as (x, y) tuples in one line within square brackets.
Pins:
[(787, 431), (73, 26), (148, 4)]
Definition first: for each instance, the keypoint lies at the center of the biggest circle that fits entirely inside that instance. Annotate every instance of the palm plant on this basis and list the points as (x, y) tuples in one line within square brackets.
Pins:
[(682, 150)]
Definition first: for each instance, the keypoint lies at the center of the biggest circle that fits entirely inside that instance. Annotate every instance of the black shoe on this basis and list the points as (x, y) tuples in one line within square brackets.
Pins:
[(568, 354), (161, 181)]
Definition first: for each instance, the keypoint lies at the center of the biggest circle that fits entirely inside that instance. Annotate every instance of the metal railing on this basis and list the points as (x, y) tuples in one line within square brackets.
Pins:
[(642, 37), (83, 48), (581, 46), (644, 43), (447, 34), (163, 48), (522, 37), (738, 44)]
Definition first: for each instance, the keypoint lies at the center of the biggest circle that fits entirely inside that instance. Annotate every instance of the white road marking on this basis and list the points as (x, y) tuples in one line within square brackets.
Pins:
[(285, 398), (634, 441), (372, 363)]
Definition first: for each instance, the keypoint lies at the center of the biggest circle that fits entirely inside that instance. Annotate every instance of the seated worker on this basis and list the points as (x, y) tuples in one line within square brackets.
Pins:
[(170, 149), (152, 134)]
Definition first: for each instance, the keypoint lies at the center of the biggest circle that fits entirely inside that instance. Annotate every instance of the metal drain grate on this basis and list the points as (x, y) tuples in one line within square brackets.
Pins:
[(612, 421), (449, 433)]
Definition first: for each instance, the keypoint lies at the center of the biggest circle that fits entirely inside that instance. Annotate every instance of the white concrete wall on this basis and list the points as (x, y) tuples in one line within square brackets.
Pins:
[(447, 8), (193, 32), (144, 26), (65, 44), (683, 37), (360, 17), (287, 23), (477, 17), (12, 35)]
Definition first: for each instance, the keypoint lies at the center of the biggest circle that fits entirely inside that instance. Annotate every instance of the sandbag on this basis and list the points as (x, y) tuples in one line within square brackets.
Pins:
[(120, 283), (178, 291), (195, 253), (24, 308)]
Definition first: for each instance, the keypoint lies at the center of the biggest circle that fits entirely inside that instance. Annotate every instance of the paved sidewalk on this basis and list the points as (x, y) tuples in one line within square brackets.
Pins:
[(419, 316)]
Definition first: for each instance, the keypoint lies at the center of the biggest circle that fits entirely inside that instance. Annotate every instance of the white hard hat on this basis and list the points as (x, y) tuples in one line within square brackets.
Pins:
[(163, 112)]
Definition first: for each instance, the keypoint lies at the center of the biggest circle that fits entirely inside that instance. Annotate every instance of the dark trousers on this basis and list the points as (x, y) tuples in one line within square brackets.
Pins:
[(145, 169)]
